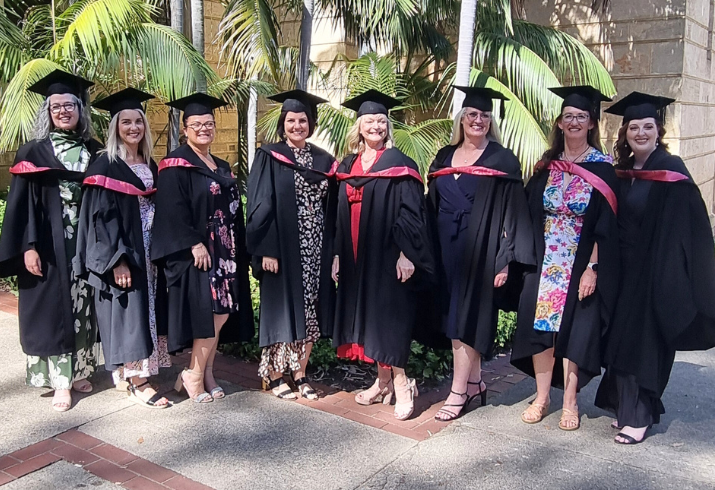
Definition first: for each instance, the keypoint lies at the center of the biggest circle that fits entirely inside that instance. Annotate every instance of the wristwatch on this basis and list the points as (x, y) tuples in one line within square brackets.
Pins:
[(593, 266)]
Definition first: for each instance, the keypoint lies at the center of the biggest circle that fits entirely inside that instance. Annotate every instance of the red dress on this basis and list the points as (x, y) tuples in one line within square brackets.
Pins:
[(355, 352)]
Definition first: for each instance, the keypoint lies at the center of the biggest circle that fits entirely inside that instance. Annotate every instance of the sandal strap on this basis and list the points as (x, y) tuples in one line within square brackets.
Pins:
[(275, 383), (133, 387), (301, 381), (458, 394), (152, 401)]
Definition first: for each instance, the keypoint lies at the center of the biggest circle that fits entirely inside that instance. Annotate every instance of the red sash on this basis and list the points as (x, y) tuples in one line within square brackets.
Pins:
[(656, 175), (471, 170), (174, 162), (25, 167), (116, 185), (597, 182), (289, 163), (389, 173)]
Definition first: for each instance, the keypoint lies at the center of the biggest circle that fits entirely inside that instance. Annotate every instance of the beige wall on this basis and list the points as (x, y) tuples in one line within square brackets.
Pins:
[(659, 47)]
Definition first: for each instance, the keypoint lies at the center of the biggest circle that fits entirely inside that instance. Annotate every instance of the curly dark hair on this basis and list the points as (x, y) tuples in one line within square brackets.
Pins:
[(282, 121), (622, 151)]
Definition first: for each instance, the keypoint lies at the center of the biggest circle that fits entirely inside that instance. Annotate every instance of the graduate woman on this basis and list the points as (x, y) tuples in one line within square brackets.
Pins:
[(115, 234), (290, 226), (665, 302), (566, 304), (477, 201), (383, 253), (39, 237), (199, 240)]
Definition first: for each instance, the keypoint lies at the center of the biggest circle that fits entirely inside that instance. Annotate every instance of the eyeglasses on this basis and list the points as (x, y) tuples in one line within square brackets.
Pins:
[(197, 126), (67, 107), (580, 118), (473, 116)]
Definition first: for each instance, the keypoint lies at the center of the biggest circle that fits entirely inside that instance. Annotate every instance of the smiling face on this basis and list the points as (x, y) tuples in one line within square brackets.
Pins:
[(642, 135), (130, 126), (373, 128), (476, 123), (296, 127), (200, 130), (64, 111), (575, 123)]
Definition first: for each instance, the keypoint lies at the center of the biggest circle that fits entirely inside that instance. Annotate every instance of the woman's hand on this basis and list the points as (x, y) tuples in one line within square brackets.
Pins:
[(202, 259), (501, 277), (587, 284), (270, 264), (336, 268), (405, 268), (122, 275), (32, 262)]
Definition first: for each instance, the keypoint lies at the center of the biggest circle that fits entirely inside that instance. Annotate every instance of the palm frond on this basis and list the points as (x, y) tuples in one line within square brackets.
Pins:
[(13, 47), (334, 125), (19, 106), (37, 29), (268, 124), (421, 141)]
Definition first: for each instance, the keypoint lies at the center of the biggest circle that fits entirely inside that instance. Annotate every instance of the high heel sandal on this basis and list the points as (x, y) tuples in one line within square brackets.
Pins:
[(383, 395), (196, 397), (482, 393), (450, 415), (411, 386), (216, 393)]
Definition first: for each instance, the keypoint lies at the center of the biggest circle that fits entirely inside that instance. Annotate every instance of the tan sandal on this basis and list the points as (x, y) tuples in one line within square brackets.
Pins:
[(379, 392), (567, 418), (62, 402), (82, 386), (534, 413)]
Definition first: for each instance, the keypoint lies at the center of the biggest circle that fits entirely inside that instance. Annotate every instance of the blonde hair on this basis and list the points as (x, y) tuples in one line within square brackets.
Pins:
[(458, 130), (355, 140), (115, 147)]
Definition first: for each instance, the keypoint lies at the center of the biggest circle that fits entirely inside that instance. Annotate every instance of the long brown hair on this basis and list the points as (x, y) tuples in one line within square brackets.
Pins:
[(622, 150), (556, 141)]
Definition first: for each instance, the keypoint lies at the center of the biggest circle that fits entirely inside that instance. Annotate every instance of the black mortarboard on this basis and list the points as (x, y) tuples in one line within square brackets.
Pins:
[(61, 82), (637, 105), (582, 97), (299, 101), (371, 102), (129, 98), (198, 104), (480, 97)]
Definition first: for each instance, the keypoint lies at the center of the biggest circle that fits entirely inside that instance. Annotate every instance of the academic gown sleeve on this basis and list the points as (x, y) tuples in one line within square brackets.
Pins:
[(261, 225), (410, 230), (19, 228)]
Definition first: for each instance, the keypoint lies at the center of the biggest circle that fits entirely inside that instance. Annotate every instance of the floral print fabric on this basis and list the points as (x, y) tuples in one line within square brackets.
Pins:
[(59, 372), (564, 209), (222, 246), (282, 357)]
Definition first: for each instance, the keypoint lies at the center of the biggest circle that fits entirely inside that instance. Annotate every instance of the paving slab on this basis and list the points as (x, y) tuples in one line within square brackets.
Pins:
[(60, 475), (252, 440)]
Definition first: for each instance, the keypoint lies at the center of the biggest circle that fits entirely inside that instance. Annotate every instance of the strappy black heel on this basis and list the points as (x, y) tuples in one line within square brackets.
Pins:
[(482, 393), (451, 415), (307, 392)]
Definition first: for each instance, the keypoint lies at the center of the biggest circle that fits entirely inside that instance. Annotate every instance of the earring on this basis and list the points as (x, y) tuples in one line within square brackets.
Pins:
[(656, 144)]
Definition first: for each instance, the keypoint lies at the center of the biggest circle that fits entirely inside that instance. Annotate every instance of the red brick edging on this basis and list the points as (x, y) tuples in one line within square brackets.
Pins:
[(103, 460)]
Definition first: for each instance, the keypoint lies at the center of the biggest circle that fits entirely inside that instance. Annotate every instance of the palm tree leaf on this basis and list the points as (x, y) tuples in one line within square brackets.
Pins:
[(19, 106), (334, 125), (13, 47), (421, 141)]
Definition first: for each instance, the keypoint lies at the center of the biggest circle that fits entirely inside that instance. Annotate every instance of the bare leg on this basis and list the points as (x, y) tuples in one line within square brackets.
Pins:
[(194, 378), (464, 360), (569, 416), (405, 392), (209, 381), (305, 389), (543, 372), (382, 390)]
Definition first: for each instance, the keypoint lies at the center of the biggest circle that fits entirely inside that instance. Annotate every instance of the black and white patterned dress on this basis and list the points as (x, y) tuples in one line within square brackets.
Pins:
[(282, 357)]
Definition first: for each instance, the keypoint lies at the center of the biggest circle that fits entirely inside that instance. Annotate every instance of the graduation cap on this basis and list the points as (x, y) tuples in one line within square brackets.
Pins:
[(61, 82), (480, 97), (198, 104), (371, 102), (637, 105), (582, 97), (129, 98), (299, 101)]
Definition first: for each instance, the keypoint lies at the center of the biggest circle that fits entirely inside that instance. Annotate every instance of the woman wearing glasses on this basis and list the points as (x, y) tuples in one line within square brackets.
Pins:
[(199, 240), (567, 302), (39, 237), (476, 200)]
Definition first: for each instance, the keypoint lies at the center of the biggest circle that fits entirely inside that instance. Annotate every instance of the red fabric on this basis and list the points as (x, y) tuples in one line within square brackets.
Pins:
[(356, 352), (471, 170), (25, 167), (355, 200), (116, 185), (388, 173), (174, 162), (597, 182), (284, 159), (656, 175)]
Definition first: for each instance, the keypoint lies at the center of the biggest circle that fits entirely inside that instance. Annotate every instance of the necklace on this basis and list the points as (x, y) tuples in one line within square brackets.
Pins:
[(469, 156), (578, 157)]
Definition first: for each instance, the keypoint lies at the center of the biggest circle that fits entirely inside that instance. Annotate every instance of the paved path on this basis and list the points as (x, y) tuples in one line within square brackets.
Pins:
[(252, 440)]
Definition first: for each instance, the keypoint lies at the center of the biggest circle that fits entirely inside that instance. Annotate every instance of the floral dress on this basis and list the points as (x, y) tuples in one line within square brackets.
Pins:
[(160, 355), (224, 202), (281, 357), (564, 210), (59, 372)]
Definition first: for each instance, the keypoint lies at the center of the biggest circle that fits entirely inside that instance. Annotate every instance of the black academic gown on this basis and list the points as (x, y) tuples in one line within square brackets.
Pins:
[(374, 308), (110, 230), (33, 218), (584, 323), (667, 290), (481, 224), (180, 222), (272, 231)]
